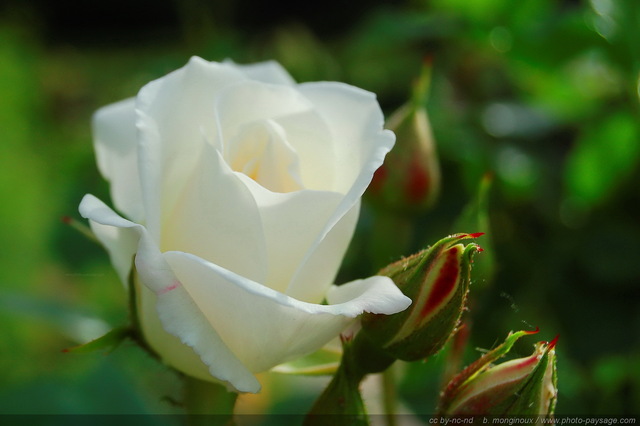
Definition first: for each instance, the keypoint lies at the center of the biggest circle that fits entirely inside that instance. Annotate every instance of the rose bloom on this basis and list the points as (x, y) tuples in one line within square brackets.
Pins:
[(239, 191)]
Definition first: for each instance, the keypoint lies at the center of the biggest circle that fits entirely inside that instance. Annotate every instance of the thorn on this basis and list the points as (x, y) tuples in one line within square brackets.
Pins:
[(346, 338)]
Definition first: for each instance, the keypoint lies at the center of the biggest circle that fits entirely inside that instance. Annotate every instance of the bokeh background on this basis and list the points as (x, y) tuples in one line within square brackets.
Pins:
[(540, 96)]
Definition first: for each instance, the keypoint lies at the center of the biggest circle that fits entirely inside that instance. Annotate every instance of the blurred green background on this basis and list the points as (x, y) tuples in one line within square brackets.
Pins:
[(542, 95)]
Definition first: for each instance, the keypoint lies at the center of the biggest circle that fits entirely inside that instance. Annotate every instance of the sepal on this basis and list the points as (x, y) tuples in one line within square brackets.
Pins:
[(108, 342), (81, 228)]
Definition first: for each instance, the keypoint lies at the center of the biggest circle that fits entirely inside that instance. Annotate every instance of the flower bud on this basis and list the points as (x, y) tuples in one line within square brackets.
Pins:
[(437, 281), (409, 179), (523, 386)]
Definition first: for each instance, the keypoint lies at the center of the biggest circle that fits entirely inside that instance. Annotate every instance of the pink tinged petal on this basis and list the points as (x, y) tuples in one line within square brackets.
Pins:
[(216, 218), (239, 308), (266, 72), (246, 104), (115, 141), (174, 311), (182, 317), (174, 114)]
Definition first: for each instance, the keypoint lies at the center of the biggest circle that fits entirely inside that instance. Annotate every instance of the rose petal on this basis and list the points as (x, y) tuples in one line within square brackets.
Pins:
[(383, 296), (309, 136), (267, 72), (291, 223), (114, 135), (119, 236), (361, 149), (217, 219), (265, 328), (240, 105), (356, 122), (262, 152), (174, 311), (174, 113)]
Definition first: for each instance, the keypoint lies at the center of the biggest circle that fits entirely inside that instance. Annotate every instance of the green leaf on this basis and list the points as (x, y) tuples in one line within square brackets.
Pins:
[(109, 341), (322, 362)]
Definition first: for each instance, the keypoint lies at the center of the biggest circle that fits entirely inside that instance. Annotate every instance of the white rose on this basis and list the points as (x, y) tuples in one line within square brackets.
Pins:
[(241, 191)]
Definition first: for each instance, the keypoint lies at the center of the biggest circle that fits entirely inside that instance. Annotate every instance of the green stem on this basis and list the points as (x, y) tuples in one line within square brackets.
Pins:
[(389, 395), (208, 403), (341, 403)]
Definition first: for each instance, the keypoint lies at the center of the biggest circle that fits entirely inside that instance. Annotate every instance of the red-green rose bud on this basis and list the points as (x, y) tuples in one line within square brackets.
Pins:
[(409, 179), (437, 281), (523, 386)]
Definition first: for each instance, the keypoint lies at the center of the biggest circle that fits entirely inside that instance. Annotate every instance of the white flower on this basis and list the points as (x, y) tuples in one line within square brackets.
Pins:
[(241, 191)]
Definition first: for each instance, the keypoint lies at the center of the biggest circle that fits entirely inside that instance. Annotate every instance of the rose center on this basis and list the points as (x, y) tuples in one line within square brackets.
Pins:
[(261, 151)]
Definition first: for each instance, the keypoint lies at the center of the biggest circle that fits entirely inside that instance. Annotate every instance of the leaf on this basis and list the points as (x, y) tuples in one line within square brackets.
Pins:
[(322, 362), (109, 341)]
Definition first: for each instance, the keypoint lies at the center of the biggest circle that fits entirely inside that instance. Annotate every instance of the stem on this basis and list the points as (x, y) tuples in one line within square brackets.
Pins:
[(208, 403), (341, 403), (389, 395)]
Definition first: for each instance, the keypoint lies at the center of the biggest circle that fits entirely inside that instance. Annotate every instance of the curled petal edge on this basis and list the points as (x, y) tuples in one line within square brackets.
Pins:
[(375, 294), (175, 309)]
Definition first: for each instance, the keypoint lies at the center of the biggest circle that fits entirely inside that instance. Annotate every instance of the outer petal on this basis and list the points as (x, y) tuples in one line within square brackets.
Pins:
[(174, 113), (119, 236), (267, 72), (381, 290), (361, 144), (356, 123), (265, 328), (165, 299), (114, 134)]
